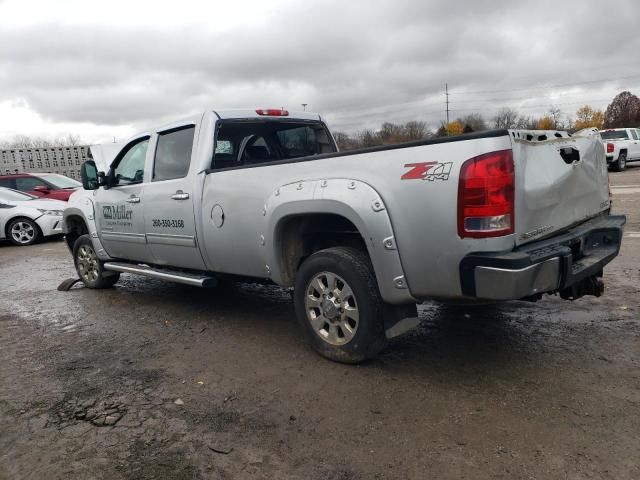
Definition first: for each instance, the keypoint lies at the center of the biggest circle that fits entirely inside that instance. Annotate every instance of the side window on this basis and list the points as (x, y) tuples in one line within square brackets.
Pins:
[(173, 154), (634, 134), (130, 168), (25, 184), (8, 182)]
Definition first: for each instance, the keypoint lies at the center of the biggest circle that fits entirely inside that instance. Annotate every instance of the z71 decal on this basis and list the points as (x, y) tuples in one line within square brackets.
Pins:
[(427, 171)]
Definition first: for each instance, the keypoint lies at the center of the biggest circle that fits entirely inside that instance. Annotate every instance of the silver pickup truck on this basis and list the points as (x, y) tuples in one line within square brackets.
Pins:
[(362, 236)]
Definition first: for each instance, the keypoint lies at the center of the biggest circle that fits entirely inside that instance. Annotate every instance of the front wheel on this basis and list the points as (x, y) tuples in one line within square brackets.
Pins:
[(338, 305), (23, 231), (91, 269)]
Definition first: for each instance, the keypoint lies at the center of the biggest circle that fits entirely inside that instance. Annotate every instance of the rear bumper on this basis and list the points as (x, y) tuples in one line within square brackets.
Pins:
[(555, 264)]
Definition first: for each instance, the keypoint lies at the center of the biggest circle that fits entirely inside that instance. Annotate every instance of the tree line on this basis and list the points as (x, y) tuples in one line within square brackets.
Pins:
[(25, 141), (623, 111)]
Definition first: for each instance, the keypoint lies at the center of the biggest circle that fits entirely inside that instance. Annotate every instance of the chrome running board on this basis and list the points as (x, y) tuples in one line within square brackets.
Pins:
[(177, 276)]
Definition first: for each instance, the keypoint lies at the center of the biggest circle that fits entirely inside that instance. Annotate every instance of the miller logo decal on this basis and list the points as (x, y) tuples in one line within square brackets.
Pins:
[(120, 212)]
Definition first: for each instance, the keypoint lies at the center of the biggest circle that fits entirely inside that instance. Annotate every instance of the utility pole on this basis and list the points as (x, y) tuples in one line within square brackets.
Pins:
[(446, 94), (304, 106)]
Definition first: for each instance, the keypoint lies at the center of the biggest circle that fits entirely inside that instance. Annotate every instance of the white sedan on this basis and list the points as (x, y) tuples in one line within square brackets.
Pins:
[(25, 219)]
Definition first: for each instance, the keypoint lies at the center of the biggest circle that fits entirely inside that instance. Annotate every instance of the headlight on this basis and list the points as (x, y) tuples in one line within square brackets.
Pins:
[(57, 213)]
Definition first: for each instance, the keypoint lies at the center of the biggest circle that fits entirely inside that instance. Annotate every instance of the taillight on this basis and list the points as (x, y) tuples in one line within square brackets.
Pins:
[(609, 147), (272, 112), (486, 196)]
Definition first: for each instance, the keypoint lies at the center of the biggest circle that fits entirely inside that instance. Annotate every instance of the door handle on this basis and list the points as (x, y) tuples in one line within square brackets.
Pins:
[(133, 199), (180, 195)]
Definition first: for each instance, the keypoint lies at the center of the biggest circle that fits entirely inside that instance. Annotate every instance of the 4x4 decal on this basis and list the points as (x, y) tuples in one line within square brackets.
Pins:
[(427, 171)]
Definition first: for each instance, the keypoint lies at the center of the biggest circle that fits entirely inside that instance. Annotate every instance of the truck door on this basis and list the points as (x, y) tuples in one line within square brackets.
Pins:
[(169, 215), (119, 208)]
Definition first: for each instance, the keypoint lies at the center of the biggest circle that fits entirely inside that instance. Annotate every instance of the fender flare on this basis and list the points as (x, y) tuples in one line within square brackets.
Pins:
[(84, 208), (354, 200)]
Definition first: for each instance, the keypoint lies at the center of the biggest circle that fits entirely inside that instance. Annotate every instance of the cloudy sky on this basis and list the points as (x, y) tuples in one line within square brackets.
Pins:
[(105, 69)]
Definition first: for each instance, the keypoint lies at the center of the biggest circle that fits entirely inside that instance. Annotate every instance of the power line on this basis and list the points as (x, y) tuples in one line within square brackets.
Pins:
[(573, 84), (521, 107)]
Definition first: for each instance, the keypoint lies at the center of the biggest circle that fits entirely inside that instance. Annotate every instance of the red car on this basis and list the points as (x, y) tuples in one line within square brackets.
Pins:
[(45, 185)]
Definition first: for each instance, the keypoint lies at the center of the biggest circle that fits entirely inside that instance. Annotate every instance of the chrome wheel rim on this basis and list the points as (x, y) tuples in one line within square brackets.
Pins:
[(87, 262), (331, 308), (23, 232)]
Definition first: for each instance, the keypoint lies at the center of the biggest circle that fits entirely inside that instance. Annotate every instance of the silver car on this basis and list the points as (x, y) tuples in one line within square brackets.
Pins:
[(25, 218)]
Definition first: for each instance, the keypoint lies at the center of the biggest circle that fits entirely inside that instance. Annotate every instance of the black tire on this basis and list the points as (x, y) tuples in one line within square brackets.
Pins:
[(353, 268), (620, 164), (27, 232), (90, 269)]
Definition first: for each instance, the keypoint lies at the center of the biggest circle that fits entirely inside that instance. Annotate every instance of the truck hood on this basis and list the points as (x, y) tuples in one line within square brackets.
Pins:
[(41, 203)]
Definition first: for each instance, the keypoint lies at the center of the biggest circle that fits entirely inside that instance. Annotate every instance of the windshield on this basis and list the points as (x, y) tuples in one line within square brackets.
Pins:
[(9, 195), (60, 181), (614, 135), (253, 142)]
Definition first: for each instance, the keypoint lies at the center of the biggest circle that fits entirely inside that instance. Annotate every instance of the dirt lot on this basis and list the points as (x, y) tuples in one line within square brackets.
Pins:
[(153, 380)]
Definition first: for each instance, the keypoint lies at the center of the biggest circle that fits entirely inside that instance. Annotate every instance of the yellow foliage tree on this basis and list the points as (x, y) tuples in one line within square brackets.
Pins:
[(587, 117), (453, 128), (546, 123)]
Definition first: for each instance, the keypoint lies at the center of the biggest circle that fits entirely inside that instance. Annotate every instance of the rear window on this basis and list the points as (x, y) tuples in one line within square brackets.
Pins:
[(614, 135), (241, 143), (60, 181)]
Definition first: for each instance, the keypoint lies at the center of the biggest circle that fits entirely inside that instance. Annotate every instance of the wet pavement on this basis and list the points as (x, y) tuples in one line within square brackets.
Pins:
[(157, 380)]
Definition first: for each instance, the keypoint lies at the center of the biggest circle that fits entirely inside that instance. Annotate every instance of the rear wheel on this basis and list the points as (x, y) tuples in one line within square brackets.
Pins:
[(89, 267), (338, 305), (23, 231), (618, 166)]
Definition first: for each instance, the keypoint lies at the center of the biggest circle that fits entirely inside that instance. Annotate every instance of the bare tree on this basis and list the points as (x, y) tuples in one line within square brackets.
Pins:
[(68, 140), (556, 116), (344, 141), (391, 133), (416, 130), (527, 122), (368, 138), (506, 118), (473, 122)]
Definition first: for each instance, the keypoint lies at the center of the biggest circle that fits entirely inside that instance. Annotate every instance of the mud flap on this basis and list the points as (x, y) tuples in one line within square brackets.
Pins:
[(399, 319), (67, 284)]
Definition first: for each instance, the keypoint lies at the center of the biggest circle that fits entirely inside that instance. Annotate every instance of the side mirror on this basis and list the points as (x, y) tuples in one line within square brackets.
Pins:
[(41, 189), (91, 178)]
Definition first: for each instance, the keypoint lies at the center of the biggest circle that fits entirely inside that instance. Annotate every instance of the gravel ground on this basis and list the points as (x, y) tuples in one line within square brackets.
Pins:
[(155, 380)]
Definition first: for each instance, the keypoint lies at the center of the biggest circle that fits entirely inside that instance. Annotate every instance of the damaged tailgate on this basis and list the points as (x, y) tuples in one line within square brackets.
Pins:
[(561, 181)]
